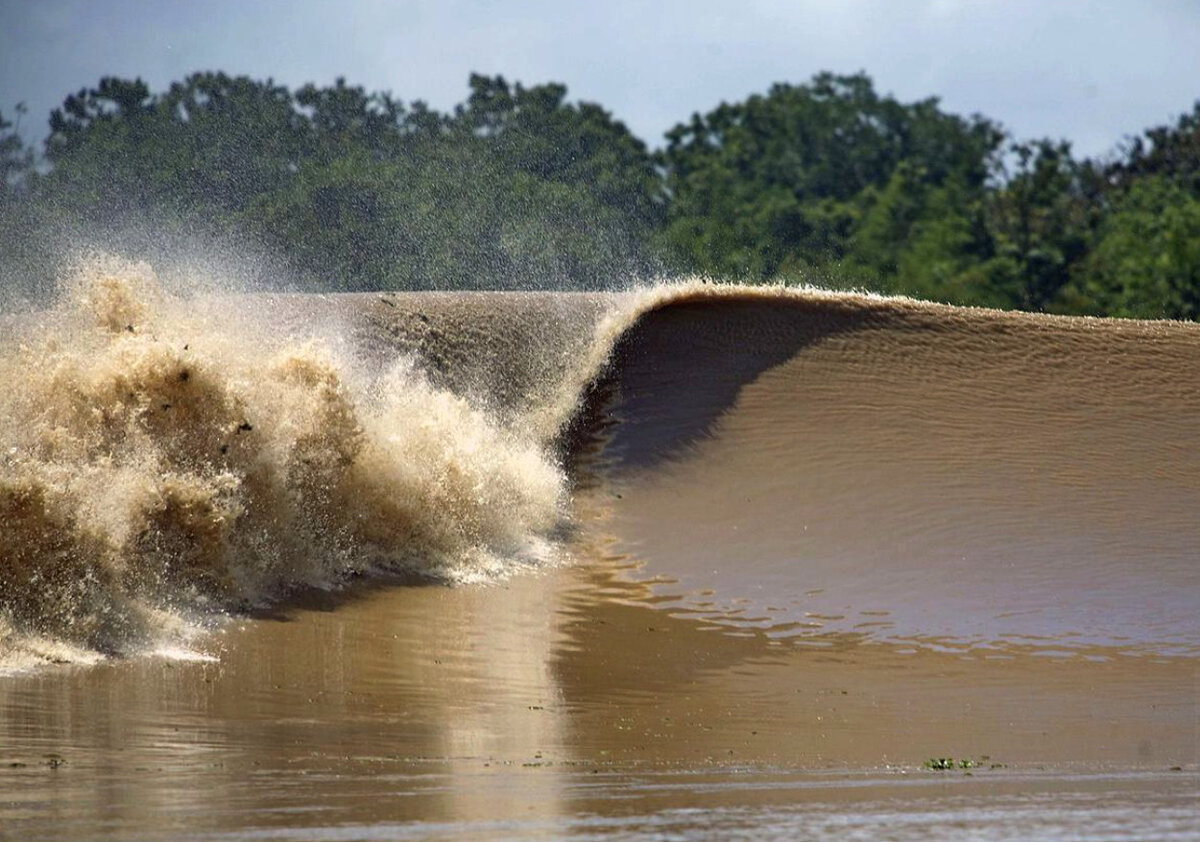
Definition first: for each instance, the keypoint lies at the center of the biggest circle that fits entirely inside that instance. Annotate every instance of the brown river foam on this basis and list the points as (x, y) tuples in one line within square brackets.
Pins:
[(725, 561)]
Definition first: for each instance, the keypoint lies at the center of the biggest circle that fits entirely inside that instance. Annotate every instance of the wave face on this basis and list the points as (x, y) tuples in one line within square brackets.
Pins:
[(809, 463), (844, 468)]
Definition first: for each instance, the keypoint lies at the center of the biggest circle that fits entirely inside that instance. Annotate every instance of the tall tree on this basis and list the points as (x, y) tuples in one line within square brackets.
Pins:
[(1146, 260), (776, 178), (1172, 152), (1041, 220), (929, 240), (536, 131), (23, 248), (16, 159), (517, 186)]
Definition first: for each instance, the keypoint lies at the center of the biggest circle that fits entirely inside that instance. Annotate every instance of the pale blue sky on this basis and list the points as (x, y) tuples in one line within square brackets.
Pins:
[(1092, 72)]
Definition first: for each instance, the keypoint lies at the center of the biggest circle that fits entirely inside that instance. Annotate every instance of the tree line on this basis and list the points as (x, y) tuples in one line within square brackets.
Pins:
[(828, 182)]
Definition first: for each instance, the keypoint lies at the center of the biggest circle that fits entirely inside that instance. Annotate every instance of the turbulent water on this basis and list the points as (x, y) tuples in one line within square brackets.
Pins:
[(166, 457), (820, 530)]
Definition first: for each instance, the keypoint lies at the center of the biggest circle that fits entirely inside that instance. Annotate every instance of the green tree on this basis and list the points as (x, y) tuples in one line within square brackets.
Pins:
[(535, 131), (930, 241), (24, 258), (1146, 261), (517, 187), (1041, 219), (203, 149), (16, 159), (779, 178), (94, 145), (1172, 152)]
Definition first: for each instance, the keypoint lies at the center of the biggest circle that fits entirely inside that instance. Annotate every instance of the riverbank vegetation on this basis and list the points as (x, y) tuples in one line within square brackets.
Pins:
[(828, 182)]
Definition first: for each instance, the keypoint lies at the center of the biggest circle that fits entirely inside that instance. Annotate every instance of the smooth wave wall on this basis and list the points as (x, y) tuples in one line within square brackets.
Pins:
[(839, 467)]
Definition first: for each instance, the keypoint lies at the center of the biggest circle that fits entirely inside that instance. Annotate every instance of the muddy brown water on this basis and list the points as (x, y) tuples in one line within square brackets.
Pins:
[(805, 545)]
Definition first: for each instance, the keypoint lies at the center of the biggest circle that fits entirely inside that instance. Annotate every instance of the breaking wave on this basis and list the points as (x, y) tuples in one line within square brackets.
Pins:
[(163, 459), (796, 461)]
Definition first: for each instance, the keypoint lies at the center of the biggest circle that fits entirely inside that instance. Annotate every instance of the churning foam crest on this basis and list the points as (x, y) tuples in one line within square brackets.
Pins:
[(157, 465)]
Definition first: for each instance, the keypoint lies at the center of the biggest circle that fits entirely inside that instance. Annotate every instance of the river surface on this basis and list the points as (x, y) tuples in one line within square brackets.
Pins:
[(691, 563)]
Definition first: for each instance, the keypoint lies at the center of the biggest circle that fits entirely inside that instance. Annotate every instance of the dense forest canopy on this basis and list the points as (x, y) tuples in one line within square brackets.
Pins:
[(828, 182)]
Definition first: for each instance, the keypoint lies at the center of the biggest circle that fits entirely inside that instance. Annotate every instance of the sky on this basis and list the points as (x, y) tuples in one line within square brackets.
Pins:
[(1090, 72)]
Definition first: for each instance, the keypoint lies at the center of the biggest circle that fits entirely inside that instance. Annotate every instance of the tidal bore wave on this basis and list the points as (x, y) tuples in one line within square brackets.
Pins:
[(879, 467)]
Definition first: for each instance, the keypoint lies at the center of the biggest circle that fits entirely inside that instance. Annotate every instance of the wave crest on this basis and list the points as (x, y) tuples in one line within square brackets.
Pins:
[(156, 464)]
